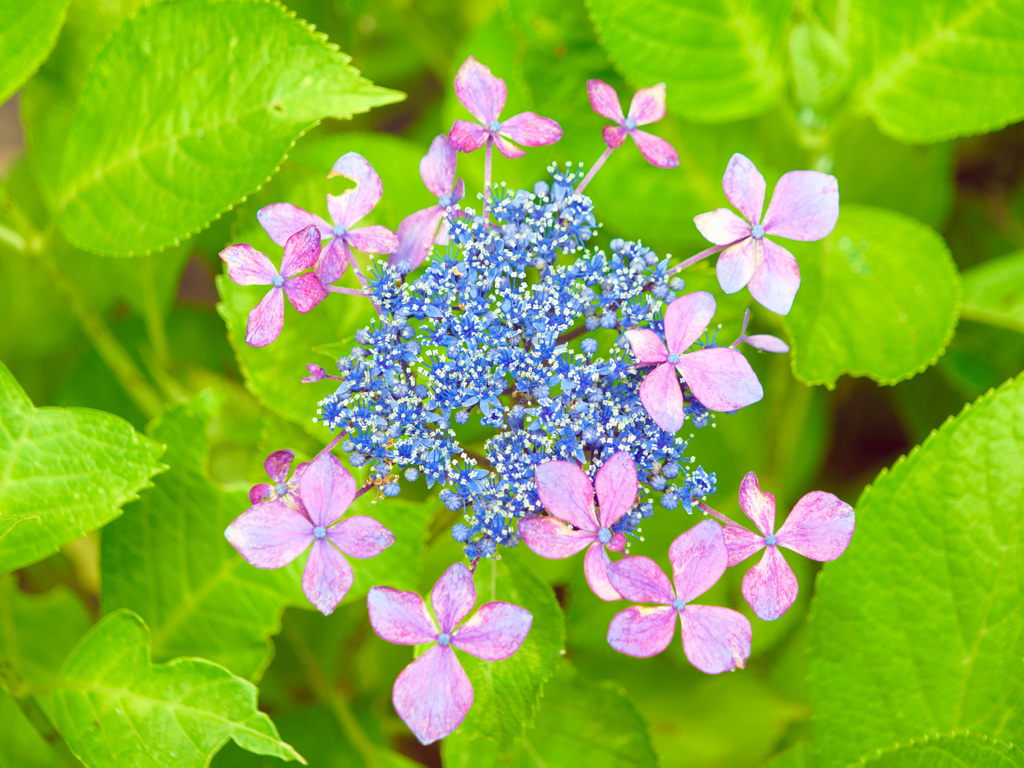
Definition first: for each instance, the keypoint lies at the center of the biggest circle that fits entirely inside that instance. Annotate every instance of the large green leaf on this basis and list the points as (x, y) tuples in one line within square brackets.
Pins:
[(953, 751), (880, 297), (919, 629), (211, 95), (994, 292), (63, 472), (27, 33), (114, 708)]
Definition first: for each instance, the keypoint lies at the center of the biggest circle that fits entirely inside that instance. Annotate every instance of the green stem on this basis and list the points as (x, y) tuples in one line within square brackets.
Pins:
[(11, 238), (155, 328)]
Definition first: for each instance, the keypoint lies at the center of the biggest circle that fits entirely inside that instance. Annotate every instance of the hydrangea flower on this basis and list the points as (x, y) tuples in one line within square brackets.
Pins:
[(280, 220), (715, 639), (278, 465), (567, 494), (647, 106), (271, 534), (247, 266), (804, 206), (819, 527), (433, 694), (763, 341), (719, 377)]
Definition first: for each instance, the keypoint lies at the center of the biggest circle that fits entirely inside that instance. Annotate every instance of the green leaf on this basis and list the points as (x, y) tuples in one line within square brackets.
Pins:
[(63, 473), (722, 60), (799, 756), (28, 32), (919, 628), (937, 70), (994, 292), (212, 94), (952, 751), (880, 297), (20, 743), (821, 68), (114, 708)]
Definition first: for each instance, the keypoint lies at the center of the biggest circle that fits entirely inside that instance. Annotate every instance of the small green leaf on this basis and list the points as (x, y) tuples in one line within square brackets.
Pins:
[(952, 751), (919, 627), (114, 708), (63, 473), (28, 32), (994, 292), (879, 297)]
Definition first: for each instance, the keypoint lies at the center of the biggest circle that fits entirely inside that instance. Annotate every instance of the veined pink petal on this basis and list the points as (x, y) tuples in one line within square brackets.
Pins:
[(360, 536), (479, 91), (616, 487), (745, 187), (353, 204), (326, 489), (416, 236), (282, 220), (686, 319), (432, 695), (466, 136), (640, 580), (776, 279), (647, 347), (279, 464), (269, 534), (614, 135), (247, 266), (698, 558), (531, 130), (804, 206), (327, 577), (662, 398), (758, 505), (819, 527), (648, 104), (721, 226), (260, 492), (655, 149), (595, 567), (770, 587), (266, 319), (566, 492), (737, 263), (767, 343), (551, 538), (721, 378), (453, 596), (375, 239), (507, 148), (641, 631), (305, 291), (333, 261), (741, 542), (604, 100), (494, 632), (715, 639), (300, 251), (400, 617), (437, 168)]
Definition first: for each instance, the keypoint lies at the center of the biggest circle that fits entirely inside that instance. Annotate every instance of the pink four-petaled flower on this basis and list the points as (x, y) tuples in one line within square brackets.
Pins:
[(271, 534), (433, 694), (804, 206), (566, 493), (647, 106), (278, 465), (720, 377), (715, 639)]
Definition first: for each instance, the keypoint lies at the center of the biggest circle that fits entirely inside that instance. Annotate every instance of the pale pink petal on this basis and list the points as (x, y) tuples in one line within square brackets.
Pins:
[(375, 239), (819, 527), (300, 251), (617, 544), (333, 261), (327, 577), (776, 279), (247, 266), (266, 319), (648, 348), (616, 488), (551, 538), (432, 695), (353, 204), (507, 148), (770, 587), (721, 378), (614, 135), (282, 220), (767, 343), (360, 536), (437, 168), (531, 129), (260, 492), (279, 464), (326, 489), (741, 542), (400, 617), (269, 534), (745, 187), (416, 236), (466, 136), (604, 100), (737, 264), (453, 596), (595, 567), (494, 632), (648, 105), (722, 227), (458, 191), (699, 558), (758, 505), (686, 319), (715, 639), (305, 291), (640, 580), (655, 149), (804, 206), (641, 631), (566, 492), (662, 398), (480, 92)]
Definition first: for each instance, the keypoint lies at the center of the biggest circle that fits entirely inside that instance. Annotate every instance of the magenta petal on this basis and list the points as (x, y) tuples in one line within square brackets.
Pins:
[(247, 266), (400, 617), (260, 492), (819, 527), (715, 639), (655, 149), (722, 227), (375, 239), (566, 492), (531, 129), (279, 464), (333, 261), (480, 92), (269, 534), (551, 538), (648, 105), (614, 135), (616, 487), (758, 505), (770, 587), (804, 206), (776, 279), (721, 378), (494, 632), (353, 204), (432, 695), (663, 399), (282, 220), (327, 577), (767, 343), (686, 319), (737, 264), (416, 236), (266, 319), (595, 567), (640, 580), (305, 291), (326, 489), (642, 632), (300, 251), (466, 136), (453, 596), (360, 536), (745, 187), (604, 100), (647, 347), (507, 148), (458, 191), (699, 558), (741, 542), (437, 168)]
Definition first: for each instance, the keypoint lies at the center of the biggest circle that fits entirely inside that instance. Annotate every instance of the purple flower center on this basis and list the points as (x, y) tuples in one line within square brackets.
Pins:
[(757, 231), (673, 358), (320, 532), (604, 535), (281, 489), (679, 603), (444, 638), (770, 540), (494, 126), (277, 281), (445, 201), (339, 230), (630, 124)]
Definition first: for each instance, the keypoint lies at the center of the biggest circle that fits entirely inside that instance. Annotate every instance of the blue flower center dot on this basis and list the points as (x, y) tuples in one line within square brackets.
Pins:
[(673, 358), (630, 124), (604, 535), (444, 638), (339, 230), (320, 532), (770, 540), (281, 489), (277, 281), (494, 126), (757, 231), (679, 603), (444, 201)]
